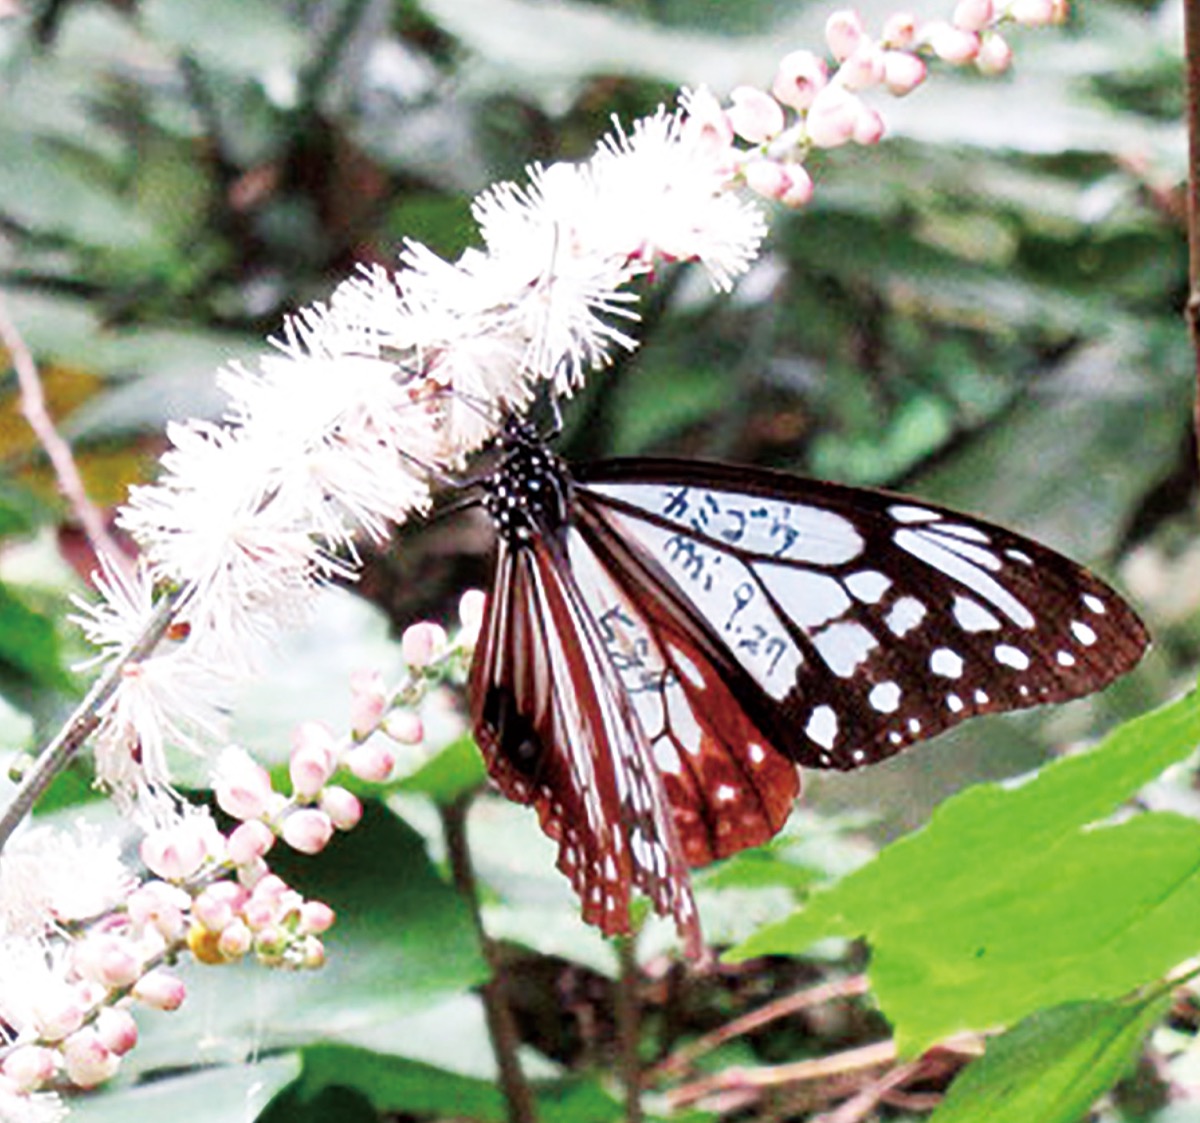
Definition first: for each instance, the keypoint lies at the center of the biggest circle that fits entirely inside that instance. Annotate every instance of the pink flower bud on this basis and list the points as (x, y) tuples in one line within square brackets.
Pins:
[(316, 917), (973, 15), (312, 761), (1033, 13), (766, 178), (995, 55), (160, 990), (374, 760), (755, 115), (472, 603), (312, 954), (798, 78), (900, 30), (843, 32), (176, 852), (833, 116), (249, 841), (117, 1030), (903, 72), (213, 910), (951, 44), (58, 1011), (107, 959), (422, 643), (368, 702), (87, 1060), (706, 126), (342, 807), (253, 872), (243, 787), (869, 127), (307, 830), (236, 940), (800, 189), (864, 68), (30, 1066), (158, 906), (270, 943)]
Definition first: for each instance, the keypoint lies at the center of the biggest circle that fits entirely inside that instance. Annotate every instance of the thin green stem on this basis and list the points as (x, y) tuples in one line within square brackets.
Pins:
[(502, 1027), (1191, 19), (82, 723)]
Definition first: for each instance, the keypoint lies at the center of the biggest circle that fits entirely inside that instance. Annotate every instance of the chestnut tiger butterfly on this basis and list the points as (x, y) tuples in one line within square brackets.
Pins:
[(665, 641)]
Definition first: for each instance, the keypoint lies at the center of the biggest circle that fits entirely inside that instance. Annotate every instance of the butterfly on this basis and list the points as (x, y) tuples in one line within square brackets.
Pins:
[(666, 641)]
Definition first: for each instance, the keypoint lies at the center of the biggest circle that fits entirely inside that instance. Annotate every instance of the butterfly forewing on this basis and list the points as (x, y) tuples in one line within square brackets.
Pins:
[(857, 621)]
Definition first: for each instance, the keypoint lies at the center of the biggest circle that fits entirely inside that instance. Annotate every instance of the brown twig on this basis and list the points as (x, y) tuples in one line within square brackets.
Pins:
[(1191, 24), (686, 1056), (33, 406), (502, 1027)]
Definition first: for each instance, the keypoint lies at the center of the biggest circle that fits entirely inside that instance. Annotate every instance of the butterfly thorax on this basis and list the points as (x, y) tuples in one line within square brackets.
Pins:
[(529, 495)]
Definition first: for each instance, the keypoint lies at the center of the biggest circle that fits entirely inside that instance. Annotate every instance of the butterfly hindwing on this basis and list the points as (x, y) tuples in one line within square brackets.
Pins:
[(863, 621)]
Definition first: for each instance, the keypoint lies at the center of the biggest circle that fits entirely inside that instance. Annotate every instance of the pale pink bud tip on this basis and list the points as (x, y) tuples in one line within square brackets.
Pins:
[(368, 702), (307, 830), (800, 189), (422, 643), (864, 68), (900, 30), (1033, 13), (403, 726), (29, 1067), (117, 1030), (766, 178), (473, 601), (316, 917), (799, 77), (310, 767), (995, 55), (87, 1060), (343, 808), (833, 117), (843, 32), (373, 761), (973, 15), (869, 127), (249, 841), (160, 990), (707, 126), (243, 788), (175, 853), (903, 72), (108, 960), (57, 1012), (952, 44), (235, 940), (755, 115)]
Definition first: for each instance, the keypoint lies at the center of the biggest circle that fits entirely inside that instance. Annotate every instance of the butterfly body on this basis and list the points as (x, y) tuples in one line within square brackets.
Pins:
[(666, 640)]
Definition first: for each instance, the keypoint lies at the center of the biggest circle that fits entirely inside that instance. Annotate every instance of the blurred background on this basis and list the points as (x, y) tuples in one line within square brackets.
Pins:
[(985, 310)]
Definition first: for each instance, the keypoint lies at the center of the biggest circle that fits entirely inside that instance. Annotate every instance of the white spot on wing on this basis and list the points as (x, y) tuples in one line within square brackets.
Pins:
[(946, 663), (885, 697), (960, 530), (972, 616), (955, 703), (811, 599), (1012, 656), (1065, 659), (666, 757), (844, 647), (687, 668), (904, 616), (822, 726), (868, 585), (1083, 633), (1094, 603), (910, 513)]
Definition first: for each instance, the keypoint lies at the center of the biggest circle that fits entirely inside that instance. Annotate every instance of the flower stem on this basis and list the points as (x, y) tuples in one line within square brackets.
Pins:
[(629, 1028), (1191, 21), (82, 723), (502, 1028)]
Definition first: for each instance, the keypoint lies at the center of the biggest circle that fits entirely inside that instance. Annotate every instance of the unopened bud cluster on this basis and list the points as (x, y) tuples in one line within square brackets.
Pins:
[(815, 103)]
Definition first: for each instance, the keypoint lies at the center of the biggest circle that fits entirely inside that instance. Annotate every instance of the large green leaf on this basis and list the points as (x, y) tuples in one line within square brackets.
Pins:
[(1011, 899)]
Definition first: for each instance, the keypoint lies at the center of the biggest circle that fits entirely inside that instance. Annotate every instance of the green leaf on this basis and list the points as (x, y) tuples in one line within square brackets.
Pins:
[(29, 649), (1054, 1065), (456, 770), (1006, 902), (393, 1084)]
